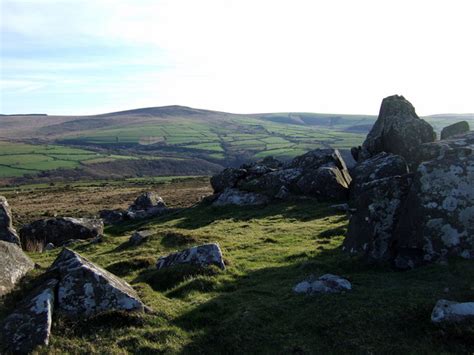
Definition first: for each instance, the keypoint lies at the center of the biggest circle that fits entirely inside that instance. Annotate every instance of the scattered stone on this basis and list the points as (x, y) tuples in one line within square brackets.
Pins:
[(112, 216), (29, 325), (49, 246), (146, 201), (325, 284), (14, 264), (452, 312), (202, 255), (7, 232), (455, 129), (139, 237), (240, 198)]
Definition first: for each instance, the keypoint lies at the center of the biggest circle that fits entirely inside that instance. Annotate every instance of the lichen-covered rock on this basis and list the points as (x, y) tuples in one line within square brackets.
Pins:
[(325, 183), (29, 325), (379, 166), (378, 207), (325, 284), (455, 129), (58, 231), (271, 183), (227, 179), (240, 198), (452, 312), (202, 255), (85, 289), (14, 264), (398, 130), (147, 201), (7, 232)]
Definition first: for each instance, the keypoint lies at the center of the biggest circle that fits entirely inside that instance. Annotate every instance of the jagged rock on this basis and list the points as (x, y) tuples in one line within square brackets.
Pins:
[(29, 325), (378, 207), (455, 129), (325, 284), (85, 289), (146, 201), (202, 255), (379, 166), (398, 130), (326, 183), (58, 231), (240, 198), (7, 232), (112, 216), (452, 312), (14, 264), (139, 237), (270, 184), (228, 178)]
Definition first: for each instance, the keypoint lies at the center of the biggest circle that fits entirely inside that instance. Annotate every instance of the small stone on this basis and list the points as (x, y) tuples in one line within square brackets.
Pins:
[(327, 283), (49, 246)]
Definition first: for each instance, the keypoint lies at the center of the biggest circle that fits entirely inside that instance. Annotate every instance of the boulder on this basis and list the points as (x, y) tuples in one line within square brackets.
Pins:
[(59, 230), (202, 255), (452, 312), (112, 216), (455, 129), (85, 289), (29, 325), (271, 183), (14, 264), (398, 130), (226, 179), (138, 237), (240, 198), (7, 232), (325, 284), (326, 183), (146, 201)]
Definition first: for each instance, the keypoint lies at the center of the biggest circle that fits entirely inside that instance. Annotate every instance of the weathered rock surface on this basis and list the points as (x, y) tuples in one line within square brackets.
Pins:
[(14, 264), (240, 198), (139, 237), (147, 201), (325, 284), (58, 231), (202, 255), (112, 216), (398, 130), (455, 129), (7, 232), (228, 178), (326, 183), (85, 289), (452, 312)]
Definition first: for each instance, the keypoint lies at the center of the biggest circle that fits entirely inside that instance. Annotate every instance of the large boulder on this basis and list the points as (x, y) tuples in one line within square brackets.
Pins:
[(398, 130), (202, 256), (455, 129), (7, 232), (36, 235), (271, 183), (240, 198), (147, 201), (228, 178), (85, 289), (14, 264), (452, 312), (29, 325)]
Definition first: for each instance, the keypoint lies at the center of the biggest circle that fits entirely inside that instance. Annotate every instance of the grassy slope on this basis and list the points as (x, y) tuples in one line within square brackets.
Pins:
[(250, 307)]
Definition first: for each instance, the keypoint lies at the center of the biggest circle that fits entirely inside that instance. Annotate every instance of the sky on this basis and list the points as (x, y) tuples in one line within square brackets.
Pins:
[(243, 56)]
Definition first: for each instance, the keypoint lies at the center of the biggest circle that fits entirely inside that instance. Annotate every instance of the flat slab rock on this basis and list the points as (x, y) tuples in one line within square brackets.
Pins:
[(202, 255), (14, 264), (451, 312), (327, 283), (85, 289), (29, 325)]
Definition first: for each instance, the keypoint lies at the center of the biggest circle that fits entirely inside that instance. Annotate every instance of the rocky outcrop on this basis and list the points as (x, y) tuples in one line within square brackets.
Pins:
[(202, 255), (240, 198), (7, 232), (112, 216), (227, 179), (455, 129), (58, 231), (452, 312), (325, 284), (398, 130), (29, 325), (14, 264)]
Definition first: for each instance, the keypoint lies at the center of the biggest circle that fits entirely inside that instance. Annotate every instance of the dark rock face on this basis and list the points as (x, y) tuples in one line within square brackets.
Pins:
[(7, 232), (29, 325), (59, 230), (147, 201), (398, 130), (202, 255), (455, 129), (228, 178), (327, 183), (240, 198), (14, 264), (112, 216)]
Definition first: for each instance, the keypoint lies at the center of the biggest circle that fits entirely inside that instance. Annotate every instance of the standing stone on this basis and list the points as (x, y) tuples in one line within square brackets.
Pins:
[(202, 255), (455, 129), (7, 232), (14, 264)]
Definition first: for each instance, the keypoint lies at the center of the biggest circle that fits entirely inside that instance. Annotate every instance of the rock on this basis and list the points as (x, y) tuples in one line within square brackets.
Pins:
[(240, 198), (452, 312), (49, 246), (29, 325), (283, 193), (325, 284), (271, 183), (455, 129), (202, 255), (7, 232), (267, 162), (85, 289), (342, 207), (14, 264), (139, 237), (377, 167), (112, 216), (355, 151), (398, 130), (147, 201), (378, 207), (325, 183), (58, 231), (228, 178)]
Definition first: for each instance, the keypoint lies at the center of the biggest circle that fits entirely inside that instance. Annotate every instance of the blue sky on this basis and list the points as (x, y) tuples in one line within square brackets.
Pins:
[(95, 56)]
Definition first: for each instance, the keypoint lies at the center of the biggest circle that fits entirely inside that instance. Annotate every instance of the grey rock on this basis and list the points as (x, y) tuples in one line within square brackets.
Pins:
[(342, 207), (112, 216), (271, 183), (85, 289), (455, 129), (240, 198), (7, 232), (29, 326), (147, 201), (14, 264), (202, 255), (327, 283), (228, 178), (139, 237), (452, 312), (326, 183)]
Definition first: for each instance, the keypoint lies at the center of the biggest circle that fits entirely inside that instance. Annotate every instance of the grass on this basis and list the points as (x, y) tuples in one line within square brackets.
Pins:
[(250, 307)]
